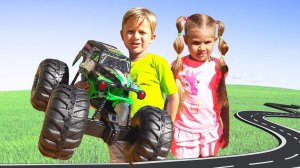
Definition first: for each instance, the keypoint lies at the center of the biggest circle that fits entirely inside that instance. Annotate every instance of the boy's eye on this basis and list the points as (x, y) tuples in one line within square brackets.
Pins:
[(130, 31), (143, 33)]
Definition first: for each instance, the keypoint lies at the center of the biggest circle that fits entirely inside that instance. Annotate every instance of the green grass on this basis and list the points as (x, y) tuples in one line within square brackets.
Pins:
[(20, 127), (245, 138)]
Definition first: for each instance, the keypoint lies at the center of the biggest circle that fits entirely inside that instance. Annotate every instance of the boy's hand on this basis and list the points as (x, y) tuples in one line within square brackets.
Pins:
[(82, 85)]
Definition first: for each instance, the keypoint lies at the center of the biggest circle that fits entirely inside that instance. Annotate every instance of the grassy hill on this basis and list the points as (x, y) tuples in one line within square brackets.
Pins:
[(20, 126)]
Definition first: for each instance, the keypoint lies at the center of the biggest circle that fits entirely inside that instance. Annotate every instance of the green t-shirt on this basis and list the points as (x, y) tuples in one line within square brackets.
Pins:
[(153, 74)]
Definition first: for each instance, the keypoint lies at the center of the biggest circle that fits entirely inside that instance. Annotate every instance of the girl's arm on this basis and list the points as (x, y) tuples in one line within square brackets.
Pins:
[(171, 105)]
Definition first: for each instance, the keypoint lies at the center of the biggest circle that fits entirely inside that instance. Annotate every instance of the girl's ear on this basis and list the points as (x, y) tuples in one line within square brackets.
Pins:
[(185, 39)]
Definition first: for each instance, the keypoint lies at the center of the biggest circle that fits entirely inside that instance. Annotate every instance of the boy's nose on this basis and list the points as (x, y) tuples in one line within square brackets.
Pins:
[(136, 35)]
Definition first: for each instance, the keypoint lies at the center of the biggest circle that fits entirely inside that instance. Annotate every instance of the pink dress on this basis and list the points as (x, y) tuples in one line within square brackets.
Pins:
[(198, 124)]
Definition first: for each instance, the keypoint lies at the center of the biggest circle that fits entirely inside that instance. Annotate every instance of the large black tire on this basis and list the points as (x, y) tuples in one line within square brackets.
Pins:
[(65, 122), (153, 135), (49, 74)]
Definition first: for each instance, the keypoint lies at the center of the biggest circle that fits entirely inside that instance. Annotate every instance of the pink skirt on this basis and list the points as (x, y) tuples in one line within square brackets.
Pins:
[(194, 145)]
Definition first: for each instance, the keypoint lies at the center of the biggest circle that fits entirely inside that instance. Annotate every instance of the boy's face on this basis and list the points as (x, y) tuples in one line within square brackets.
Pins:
[(137, 37), (200, 43)]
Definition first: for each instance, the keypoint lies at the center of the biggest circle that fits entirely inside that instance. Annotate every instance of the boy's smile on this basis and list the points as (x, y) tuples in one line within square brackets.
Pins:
[(135, 44)]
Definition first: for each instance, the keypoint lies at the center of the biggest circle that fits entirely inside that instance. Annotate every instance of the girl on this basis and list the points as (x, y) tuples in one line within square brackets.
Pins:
[(202, 122)]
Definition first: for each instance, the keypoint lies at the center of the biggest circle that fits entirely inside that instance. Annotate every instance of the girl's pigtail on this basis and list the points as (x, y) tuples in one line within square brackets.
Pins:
[(223, 48), (177, 66), (178, 46)]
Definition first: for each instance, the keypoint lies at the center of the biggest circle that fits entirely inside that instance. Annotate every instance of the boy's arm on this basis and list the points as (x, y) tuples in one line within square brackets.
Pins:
[(224, 141), (82, 85), (171, 105)]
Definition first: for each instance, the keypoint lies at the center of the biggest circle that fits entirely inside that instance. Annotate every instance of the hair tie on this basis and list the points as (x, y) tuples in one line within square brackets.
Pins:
[(217, 22), (185, 18), (179, 34), (222, 57), (220, 38)]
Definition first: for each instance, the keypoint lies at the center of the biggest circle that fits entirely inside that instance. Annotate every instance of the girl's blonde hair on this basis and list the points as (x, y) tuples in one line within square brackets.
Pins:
[(192, 23), (139, 14)]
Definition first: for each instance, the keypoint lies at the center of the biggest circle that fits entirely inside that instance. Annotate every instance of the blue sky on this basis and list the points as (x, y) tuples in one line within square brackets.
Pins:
[(263, 35)]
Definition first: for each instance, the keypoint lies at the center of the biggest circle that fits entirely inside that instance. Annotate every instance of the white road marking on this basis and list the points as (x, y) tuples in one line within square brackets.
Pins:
[(296, 138), (291, 156), (270, 161), (251, 115), (255, 120), (289, 134), (224, 166), (273, 127), (263, 123), (281, 130)]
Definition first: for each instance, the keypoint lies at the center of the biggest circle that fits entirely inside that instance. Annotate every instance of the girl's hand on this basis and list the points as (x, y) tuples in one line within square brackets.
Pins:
[(224, 141), (82, 85)]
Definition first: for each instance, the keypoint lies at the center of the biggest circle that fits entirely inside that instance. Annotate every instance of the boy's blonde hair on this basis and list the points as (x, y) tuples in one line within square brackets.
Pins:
[(137, 15)]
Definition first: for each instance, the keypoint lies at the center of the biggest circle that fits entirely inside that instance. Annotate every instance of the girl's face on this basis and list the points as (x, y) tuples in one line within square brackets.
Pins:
[(200, 43), (137, 37)]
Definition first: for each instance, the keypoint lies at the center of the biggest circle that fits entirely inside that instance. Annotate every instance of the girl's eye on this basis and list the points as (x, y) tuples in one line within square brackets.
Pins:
[(130, 32), (187, 84), (198, 81)]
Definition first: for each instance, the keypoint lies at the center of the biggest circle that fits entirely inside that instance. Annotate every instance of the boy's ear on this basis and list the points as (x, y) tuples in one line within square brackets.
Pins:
[(153, 37), (121, 35)]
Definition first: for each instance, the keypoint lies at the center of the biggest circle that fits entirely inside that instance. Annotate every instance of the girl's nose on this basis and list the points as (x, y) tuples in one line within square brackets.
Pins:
[(201, 47)]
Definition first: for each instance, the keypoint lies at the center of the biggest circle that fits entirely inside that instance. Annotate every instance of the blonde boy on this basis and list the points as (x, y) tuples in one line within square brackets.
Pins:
[(150, 71)]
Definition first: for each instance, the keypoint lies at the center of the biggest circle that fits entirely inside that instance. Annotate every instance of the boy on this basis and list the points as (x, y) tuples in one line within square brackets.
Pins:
[(151, 72)]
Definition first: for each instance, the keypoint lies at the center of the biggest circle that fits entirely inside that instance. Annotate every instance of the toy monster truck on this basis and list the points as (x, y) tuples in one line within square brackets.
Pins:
[(148, 132)]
